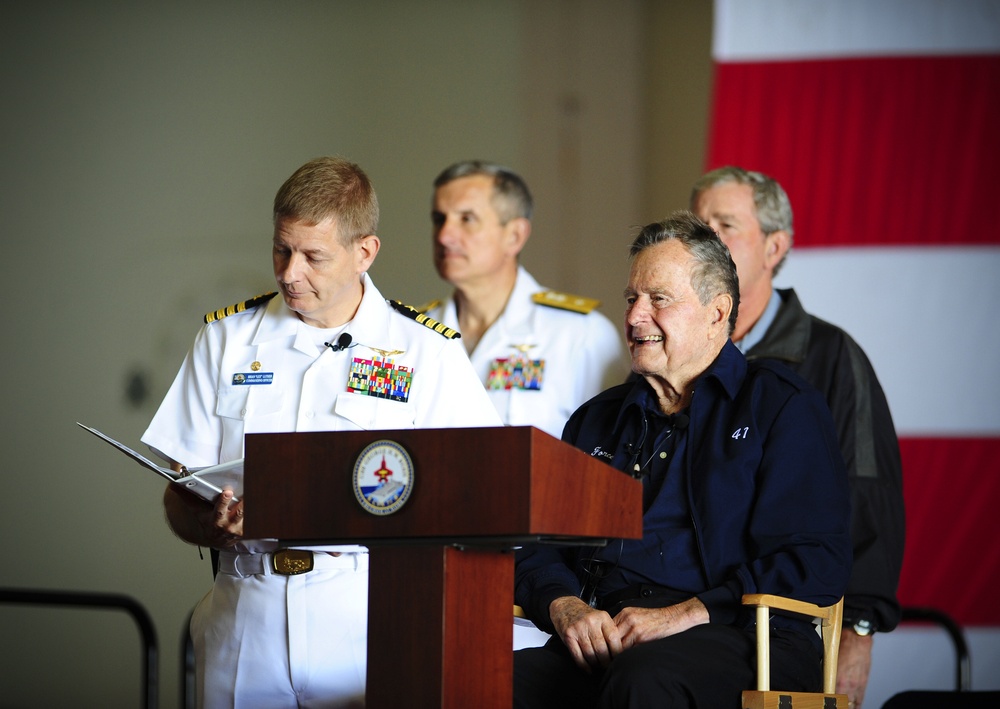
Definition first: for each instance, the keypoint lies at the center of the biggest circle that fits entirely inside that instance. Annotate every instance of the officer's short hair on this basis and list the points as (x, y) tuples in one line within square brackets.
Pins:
[(511, 198), (330, 187)]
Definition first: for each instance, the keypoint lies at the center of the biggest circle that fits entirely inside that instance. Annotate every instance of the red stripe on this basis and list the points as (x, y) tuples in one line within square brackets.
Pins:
[(871, 151), (952, 559)]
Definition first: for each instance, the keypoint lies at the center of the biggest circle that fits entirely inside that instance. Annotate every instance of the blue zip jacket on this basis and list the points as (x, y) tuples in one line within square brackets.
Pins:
[(766, 486)]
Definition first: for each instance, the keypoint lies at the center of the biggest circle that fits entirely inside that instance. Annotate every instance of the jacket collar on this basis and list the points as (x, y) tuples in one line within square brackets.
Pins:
[(726, 373), (728, 370), (788, 337)]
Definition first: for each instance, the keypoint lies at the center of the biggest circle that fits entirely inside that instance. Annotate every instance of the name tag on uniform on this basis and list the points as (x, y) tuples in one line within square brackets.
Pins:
[(252, 378), (516, 373)]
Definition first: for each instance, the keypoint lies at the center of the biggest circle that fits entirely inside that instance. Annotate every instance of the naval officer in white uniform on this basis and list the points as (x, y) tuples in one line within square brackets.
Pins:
[(539, 353), (329, 354)]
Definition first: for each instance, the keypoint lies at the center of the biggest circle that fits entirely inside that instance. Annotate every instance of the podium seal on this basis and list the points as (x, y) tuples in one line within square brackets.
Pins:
[(383, 477)]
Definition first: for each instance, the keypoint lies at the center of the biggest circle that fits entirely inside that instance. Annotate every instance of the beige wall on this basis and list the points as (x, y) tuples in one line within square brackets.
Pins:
[(677, 92), (141, 148)]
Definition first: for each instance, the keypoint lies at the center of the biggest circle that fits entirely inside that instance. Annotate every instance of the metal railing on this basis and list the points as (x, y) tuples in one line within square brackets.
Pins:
[(963, 665), (112, 601)]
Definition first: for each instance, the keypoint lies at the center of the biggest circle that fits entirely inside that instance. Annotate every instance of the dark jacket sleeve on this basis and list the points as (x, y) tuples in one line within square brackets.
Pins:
[(871, 452), (542, 574), (545, 572)]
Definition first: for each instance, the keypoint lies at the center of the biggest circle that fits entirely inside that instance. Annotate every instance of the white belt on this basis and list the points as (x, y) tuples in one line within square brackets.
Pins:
[(288, 562)]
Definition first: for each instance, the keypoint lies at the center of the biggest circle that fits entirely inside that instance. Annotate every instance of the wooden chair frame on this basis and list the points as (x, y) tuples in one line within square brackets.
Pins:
[(830, 618)]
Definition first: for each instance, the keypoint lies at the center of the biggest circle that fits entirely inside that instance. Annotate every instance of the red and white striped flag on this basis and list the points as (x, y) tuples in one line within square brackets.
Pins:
[(882, 122)]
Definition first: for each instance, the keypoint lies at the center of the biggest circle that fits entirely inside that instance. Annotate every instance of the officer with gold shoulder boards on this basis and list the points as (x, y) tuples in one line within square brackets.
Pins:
[(540, 353), (288, 628)]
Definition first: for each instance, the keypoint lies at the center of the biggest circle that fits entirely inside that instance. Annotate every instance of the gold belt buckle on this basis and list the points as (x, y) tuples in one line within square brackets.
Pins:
[(290, 562)]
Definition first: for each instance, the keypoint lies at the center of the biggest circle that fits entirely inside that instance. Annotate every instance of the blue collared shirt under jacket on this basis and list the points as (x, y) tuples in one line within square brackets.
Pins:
[(765, 482)]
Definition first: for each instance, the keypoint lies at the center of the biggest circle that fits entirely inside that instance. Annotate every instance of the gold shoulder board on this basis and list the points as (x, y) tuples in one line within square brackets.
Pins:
[(430, 305), (565, 301), (414, 314), (239, 307)]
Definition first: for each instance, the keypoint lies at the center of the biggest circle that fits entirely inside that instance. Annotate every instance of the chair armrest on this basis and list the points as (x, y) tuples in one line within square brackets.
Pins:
[(791, 606), (831, 618)]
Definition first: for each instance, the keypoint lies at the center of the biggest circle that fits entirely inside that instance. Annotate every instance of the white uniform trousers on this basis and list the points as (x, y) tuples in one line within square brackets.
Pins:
[(269, 641)]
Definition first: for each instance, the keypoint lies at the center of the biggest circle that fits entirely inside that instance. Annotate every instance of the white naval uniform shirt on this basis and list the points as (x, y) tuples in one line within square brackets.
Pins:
[(584, 355), (205, 415)]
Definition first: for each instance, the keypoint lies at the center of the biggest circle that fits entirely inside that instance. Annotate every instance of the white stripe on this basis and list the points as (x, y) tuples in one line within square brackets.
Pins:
[(928, 320), (760, 30)]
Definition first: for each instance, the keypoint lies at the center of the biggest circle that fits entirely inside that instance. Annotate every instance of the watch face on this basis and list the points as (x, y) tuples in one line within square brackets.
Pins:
[(863, 627)]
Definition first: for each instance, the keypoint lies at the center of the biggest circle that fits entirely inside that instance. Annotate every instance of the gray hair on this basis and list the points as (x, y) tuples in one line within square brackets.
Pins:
[(715, 271), (511, 198), (774, 210)]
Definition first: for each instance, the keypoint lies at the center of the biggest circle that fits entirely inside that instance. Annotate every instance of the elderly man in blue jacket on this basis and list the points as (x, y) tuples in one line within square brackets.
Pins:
[(744, 491)]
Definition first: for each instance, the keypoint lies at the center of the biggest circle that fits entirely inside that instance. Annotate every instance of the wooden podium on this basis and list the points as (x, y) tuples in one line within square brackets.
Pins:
[(442, 570)]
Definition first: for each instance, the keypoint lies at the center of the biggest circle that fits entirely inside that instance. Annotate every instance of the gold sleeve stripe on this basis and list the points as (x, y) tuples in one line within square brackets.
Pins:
[(414, 314), (238, 307)]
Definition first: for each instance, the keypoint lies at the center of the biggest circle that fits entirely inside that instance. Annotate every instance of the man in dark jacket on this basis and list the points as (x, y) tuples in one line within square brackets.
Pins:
[(753, 216), (744, 492)]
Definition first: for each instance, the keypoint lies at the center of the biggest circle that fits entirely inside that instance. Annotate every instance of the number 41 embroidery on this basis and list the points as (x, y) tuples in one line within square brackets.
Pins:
[(740, 433)]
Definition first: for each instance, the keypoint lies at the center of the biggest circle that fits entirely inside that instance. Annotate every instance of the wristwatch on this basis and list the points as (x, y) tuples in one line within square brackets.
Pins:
[(863, 627)]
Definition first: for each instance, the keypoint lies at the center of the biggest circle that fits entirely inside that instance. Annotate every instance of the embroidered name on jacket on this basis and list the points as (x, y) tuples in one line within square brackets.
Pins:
[(599, 452), (380, 378)]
